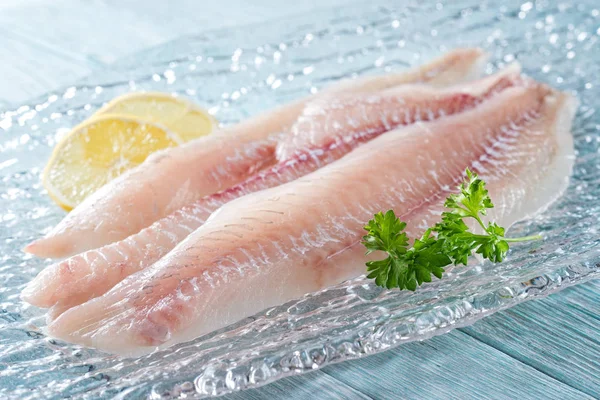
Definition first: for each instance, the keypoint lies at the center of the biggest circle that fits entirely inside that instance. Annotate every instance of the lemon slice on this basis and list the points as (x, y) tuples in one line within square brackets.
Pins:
[(99, 150), (177, 114)]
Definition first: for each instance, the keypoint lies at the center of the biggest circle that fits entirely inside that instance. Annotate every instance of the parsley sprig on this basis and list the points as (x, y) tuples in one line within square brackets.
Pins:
[(447, 242)]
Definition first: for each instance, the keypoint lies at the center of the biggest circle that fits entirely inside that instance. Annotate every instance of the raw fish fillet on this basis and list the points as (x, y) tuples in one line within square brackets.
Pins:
[(275, 245), (336, 129), (171, 179)]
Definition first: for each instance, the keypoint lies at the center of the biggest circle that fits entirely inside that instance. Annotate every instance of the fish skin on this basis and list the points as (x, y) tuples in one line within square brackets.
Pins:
[(165, 182), (92, 273), (272, 246)]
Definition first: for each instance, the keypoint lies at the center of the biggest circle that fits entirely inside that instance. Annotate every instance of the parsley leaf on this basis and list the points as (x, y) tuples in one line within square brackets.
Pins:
[(385, 233), (453, 243), (473, 198)]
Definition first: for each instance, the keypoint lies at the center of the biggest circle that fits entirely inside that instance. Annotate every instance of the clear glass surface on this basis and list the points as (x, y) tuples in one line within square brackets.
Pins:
[(236, 73)]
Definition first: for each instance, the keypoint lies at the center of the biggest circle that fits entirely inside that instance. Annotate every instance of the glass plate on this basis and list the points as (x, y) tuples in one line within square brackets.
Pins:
[(239, 72)]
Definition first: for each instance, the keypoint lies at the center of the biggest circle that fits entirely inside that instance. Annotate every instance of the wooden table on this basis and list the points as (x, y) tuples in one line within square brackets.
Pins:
[(547, 348)]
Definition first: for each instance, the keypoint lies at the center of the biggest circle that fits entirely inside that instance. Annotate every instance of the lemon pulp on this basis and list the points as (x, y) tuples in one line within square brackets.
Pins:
[(98, 151)]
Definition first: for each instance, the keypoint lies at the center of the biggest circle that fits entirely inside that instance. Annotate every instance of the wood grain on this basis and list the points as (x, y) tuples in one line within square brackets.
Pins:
[(453, 366), (559, 336)]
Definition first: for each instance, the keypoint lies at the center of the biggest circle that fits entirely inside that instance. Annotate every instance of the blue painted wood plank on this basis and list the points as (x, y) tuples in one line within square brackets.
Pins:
[(558, 335), (58, 42), (316, 384), (452, 366), (586, 297)]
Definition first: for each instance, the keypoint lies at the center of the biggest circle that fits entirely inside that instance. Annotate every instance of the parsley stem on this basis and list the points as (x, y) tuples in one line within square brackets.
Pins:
[(480, 222), (524, 238), (480, 236), (512, 240)]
